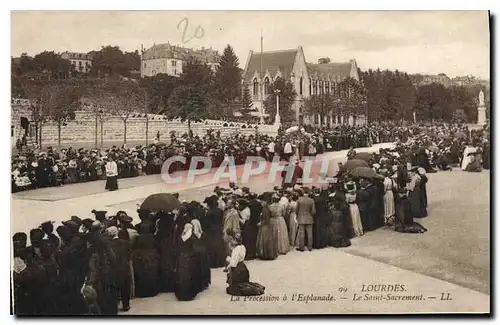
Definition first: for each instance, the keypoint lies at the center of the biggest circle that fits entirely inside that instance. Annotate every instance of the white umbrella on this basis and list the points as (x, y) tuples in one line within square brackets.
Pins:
[(292, 129)]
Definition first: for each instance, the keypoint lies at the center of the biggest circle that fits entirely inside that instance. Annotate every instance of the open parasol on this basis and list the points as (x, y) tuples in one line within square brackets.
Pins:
[(165, 202), (292, 129), (353, 163), (460, 135), (366, 156), (365, 172)]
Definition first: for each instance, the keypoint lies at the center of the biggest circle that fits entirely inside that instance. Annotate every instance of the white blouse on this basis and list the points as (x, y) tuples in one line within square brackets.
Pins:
[(111, 169)]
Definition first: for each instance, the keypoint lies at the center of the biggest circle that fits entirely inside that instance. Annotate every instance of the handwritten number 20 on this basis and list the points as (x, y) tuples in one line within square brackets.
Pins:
[(199, 32)]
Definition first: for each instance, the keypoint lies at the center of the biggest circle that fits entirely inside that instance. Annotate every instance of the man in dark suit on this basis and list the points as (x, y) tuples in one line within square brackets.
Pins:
[(121, 247), (305, 218)]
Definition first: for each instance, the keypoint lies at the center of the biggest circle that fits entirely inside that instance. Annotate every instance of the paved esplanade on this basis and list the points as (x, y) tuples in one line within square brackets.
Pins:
[(451, 258)]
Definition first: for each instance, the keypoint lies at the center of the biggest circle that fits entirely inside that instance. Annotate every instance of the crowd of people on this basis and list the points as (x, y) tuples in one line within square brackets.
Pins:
[(94, 263), (33, 169)]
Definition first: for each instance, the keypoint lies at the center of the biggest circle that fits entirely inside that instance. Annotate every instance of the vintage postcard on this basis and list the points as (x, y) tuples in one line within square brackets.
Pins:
[(250, 162)]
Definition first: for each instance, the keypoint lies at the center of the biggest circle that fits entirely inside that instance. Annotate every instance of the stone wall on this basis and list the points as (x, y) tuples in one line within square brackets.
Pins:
[(83, 127)]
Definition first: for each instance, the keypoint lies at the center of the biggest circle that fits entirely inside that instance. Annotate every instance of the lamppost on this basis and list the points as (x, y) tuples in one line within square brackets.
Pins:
[(277, 119)]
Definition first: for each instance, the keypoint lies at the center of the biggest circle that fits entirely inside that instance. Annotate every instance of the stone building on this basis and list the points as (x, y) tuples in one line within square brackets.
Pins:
[(169, 59), (82, 62), (307, 79)]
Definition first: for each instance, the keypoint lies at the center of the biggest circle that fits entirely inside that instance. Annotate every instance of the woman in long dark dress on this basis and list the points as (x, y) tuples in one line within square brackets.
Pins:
[(363, 202), (238, 277), (267, 238), (111, 175), (102, 273), (337, 222), (214, 239), (320, 233), (423, 191), (187, 284), (413, 188), (146, 261), (203, 264), (167, 244), (251, 228)]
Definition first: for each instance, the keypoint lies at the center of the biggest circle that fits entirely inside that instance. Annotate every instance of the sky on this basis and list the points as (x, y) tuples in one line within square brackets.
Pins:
[(456, 43)]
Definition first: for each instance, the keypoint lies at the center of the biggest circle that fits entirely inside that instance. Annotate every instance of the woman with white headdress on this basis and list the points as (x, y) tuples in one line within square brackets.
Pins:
[(389, 205), (203, 263), (238, 276), (350, 197), (187, 276)]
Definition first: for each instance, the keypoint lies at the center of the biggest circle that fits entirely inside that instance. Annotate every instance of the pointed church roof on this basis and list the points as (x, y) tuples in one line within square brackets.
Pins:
[(273, 62)]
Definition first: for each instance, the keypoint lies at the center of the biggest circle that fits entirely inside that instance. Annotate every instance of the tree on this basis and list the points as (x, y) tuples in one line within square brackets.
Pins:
[(52, 63), (321, 105), (159, 88), (193, 99), (132, 61), (433, 102), (65, 100), (324, 60), (39, 96), (109, 61), (287, 98), (228, 77), (114, 96), (353, 96), (246, 100), (389, 95), (22, 65), (189, 103)]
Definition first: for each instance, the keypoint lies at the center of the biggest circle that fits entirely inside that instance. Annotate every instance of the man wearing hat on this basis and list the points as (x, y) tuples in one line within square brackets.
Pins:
[(48, 228)]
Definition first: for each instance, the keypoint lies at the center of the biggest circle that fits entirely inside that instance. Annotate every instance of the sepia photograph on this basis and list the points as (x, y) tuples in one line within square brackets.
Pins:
[(250, 163)]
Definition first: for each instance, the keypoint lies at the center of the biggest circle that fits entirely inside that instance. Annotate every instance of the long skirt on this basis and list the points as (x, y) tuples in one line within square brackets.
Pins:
[(216, 248), (111, 183), (356, 219), (250, 232), (283, 241), (292, 230), (267, 242), (389, 208)]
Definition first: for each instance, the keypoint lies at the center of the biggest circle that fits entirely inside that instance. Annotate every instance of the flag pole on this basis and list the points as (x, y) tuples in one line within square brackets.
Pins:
[(261, 77)]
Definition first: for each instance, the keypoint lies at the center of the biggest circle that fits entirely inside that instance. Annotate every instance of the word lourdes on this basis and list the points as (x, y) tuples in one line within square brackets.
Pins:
[(254, 166)]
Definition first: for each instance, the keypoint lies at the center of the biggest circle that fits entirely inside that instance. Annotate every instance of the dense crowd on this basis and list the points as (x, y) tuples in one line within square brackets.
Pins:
[(92, 264), (37, 169)]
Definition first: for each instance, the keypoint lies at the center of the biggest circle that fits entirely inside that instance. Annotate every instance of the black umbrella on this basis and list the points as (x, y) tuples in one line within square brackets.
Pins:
[(365, 172), (366, 156), (165, 202), (353, 163)]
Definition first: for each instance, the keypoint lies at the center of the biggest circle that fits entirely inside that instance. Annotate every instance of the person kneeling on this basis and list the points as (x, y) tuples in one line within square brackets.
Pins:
[(238, 276)]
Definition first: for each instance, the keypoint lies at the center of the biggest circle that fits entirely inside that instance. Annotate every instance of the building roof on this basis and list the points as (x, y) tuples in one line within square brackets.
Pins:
[(77, 56), (342, 70), (169, 51), (273, 62)]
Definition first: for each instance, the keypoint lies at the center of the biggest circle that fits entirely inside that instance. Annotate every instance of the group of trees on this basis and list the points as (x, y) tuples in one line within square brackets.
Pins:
[(196, 94), (392, 95)]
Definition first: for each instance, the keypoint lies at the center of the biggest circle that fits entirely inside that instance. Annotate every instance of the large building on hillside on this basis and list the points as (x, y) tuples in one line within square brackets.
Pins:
[(81, 62), (307, 78), (169, 59)]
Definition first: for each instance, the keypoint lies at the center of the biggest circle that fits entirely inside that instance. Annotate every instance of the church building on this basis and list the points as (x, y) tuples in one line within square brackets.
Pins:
[(307, 79)]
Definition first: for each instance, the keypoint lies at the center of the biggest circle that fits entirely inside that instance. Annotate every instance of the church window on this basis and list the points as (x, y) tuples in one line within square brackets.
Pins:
[(300, 86), (255, 86), (266, 86)]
